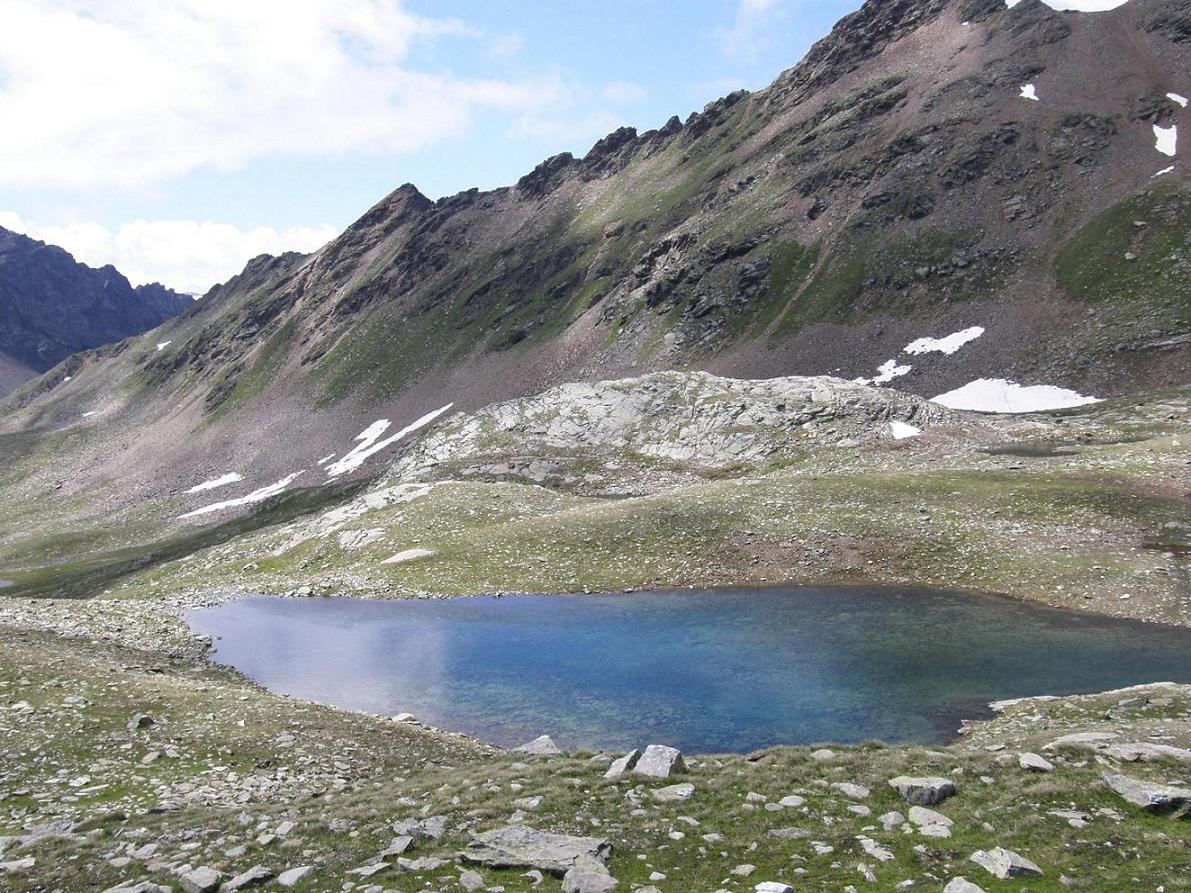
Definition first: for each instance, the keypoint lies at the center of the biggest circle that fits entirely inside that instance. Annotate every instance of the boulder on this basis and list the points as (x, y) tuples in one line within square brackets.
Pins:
[(891, 820), (541, 746), (1145, 752), (200, 880), (253, 877), (961, 885), (930, 823), (1148, 795), (772, 887), (471, 881), (851, 791), (622, 765), (674, 792), (1082, 739), (1002, 863), (291, 877), (588, 875), (17, 865), (518, 846), (1032, 762), (924, 791), (660, 761)]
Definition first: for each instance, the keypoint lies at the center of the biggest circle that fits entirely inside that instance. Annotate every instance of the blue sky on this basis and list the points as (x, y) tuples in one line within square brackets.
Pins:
[(176, 139)]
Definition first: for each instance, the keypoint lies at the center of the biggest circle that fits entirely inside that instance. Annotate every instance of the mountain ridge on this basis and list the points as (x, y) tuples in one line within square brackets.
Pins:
[(892, 185), (52, 306)]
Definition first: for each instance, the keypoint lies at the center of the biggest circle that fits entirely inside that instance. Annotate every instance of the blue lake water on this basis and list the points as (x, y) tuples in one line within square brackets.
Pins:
[(712, 671)]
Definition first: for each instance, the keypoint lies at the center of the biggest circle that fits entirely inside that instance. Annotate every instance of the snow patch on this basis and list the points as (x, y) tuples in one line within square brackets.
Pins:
[(1028, 91), (1175, 97), (1165, 170), (88, 415), (903, 431), (369, 445), (1077, 5), (216, 483), (67, 378), (1166, 139), (162, 345), (409, 555), (255, 496), (325, 459), (1002, 396), (947, 345), (886, 372)]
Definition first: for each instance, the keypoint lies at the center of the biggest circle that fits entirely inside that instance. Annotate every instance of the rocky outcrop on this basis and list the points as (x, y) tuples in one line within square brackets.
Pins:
[(670, 416), (517, 846)]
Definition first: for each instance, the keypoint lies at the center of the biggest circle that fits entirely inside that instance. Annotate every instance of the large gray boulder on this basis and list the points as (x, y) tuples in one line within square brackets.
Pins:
[(1032, 762), (923, 791), (660, 761), (961, 885), (200, 880), (518, 846), (1002, 863), (588, 875), (542, 746), (293, 876), (1145, 752), (623, 765), (674, 792), (1148, 795), (253, 877)]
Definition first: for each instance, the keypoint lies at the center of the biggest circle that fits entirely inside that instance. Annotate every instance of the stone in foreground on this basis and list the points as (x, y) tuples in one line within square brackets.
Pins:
[(541, 746), (1002, 863), (923, 791), (293, 876), (660, 761), (851, 791), (1032, 762), (253, 877), (517, 846), (1147, 795), (961, 885), (200, 880), (622, 765), (773, 887), (588, 875), (674, 793)]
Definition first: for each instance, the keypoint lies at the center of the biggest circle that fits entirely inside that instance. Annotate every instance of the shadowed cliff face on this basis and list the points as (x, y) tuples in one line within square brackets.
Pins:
[(897, 183), (52, 306)]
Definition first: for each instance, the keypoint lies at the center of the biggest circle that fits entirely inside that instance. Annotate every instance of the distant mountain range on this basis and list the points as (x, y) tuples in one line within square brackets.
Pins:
[(52, 306)]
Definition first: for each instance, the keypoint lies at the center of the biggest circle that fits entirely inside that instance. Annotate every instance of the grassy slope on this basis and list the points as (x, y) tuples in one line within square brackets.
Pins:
[(1079, 529)]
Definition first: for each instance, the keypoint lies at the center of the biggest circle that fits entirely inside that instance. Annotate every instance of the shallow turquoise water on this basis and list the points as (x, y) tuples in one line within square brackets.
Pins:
[(712, 671)]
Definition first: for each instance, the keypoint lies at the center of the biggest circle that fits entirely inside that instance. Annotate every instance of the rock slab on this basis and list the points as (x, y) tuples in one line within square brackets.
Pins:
[(660, 761), (924, 791), (1002, 863), (1147, 795), (518, 846)]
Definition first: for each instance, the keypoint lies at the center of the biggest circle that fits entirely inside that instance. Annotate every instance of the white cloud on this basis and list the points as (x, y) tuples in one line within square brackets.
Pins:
[(506, 46), (186, 255), (749, 33), (127, 93)]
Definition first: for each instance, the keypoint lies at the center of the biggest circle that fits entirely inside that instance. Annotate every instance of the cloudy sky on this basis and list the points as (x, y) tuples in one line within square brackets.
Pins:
[(178, 138)]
